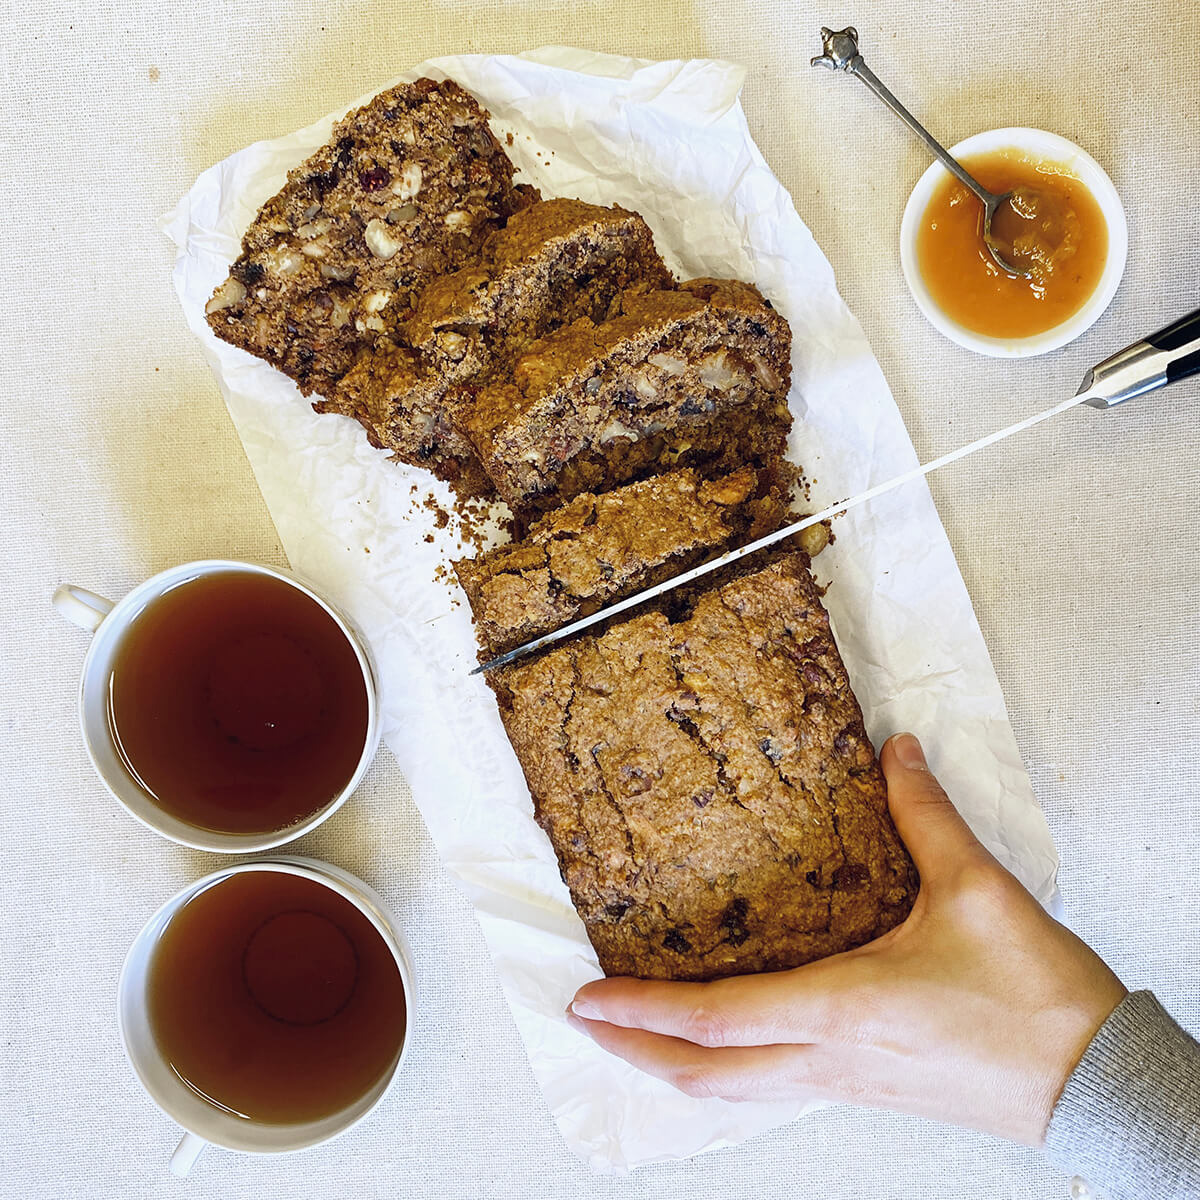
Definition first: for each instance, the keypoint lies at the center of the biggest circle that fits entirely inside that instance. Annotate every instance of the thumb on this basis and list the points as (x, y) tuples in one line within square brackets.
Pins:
[(929, 825)]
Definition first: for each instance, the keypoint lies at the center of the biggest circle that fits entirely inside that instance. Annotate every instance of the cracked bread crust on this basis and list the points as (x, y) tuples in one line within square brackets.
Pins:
[(598, 549), (408, 187), (708, 786), (553, 263), (696, 376)]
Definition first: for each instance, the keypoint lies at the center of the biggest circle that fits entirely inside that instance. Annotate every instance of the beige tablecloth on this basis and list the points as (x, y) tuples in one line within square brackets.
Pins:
[(1078, 542)]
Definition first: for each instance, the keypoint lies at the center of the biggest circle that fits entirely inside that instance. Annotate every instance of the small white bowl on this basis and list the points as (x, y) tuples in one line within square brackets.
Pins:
[(1048, 147)]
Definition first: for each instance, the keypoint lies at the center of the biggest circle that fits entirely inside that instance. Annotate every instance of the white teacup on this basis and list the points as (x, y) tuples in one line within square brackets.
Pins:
[(203, 1122), (109, 623)]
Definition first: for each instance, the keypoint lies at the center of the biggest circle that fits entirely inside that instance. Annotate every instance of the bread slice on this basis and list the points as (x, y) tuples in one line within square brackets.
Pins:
[(598, 549), (691, 377), (408, 187)]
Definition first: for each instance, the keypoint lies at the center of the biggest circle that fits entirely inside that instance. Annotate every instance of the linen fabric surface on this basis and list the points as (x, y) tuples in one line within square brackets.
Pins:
[(1076, 542)]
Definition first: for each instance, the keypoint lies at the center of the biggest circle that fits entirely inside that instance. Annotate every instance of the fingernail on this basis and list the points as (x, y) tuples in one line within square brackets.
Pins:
[(909, 753), (581, 1008)]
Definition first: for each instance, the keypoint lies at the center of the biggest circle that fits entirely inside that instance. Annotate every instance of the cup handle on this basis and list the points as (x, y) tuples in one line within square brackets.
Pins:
[(81, 607), (186, 1153)]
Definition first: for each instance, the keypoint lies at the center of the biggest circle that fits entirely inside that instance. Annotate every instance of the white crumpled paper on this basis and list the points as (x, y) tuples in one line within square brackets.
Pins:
[(669, 140)]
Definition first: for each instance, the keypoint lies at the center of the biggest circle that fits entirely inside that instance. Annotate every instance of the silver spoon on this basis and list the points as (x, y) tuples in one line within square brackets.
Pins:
[(841, 54)]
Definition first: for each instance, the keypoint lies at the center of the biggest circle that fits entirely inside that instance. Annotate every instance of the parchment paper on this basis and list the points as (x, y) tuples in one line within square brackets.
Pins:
[(668, 139)]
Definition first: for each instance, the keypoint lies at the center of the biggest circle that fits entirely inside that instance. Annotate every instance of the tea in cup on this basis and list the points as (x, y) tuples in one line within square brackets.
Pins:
[(226, 705), (267, 1007)]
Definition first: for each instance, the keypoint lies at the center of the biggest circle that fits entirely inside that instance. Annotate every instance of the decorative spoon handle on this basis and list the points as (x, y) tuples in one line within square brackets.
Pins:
[(841, 54)]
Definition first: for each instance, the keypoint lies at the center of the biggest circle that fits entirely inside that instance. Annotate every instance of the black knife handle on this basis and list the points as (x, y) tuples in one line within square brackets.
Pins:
[(1181, 368), (1178, 333), (1182, 338)]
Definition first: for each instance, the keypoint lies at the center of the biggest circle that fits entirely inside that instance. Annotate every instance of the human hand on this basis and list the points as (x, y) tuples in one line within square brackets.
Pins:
[(974, 1011)]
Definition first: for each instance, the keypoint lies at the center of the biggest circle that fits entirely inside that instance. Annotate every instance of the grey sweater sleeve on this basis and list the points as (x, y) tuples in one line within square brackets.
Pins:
[(1128, 1120)]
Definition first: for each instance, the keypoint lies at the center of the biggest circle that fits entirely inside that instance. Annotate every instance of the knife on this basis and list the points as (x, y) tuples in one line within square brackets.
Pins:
[(1162, 358)]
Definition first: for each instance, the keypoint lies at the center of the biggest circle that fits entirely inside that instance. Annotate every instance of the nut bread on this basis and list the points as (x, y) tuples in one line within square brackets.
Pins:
[(696, 376), (713, 799), (407, 188)]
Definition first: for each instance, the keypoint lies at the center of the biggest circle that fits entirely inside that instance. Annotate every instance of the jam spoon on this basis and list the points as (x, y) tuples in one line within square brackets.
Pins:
[(841, 54)]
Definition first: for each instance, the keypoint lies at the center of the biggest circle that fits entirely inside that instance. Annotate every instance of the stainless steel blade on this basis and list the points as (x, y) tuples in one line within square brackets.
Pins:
[(770, 539)]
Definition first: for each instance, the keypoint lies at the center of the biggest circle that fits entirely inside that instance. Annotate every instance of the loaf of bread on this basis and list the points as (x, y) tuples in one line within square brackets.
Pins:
[(709, 789), (701, 768)]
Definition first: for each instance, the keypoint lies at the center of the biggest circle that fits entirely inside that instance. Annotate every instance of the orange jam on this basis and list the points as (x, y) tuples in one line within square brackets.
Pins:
[(1053, 227)]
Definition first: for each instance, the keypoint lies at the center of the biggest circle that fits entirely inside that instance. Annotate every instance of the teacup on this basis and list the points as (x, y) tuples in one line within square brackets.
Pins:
[(217, 1119), (237, 681)]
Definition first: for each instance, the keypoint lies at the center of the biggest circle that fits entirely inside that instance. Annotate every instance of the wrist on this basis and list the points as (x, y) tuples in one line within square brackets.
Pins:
[(1081, 1024)]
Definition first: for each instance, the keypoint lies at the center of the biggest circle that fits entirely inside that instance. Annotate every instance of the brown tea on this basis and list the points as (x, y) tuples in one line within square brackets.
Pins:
[(237, 703), (275, 999)]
